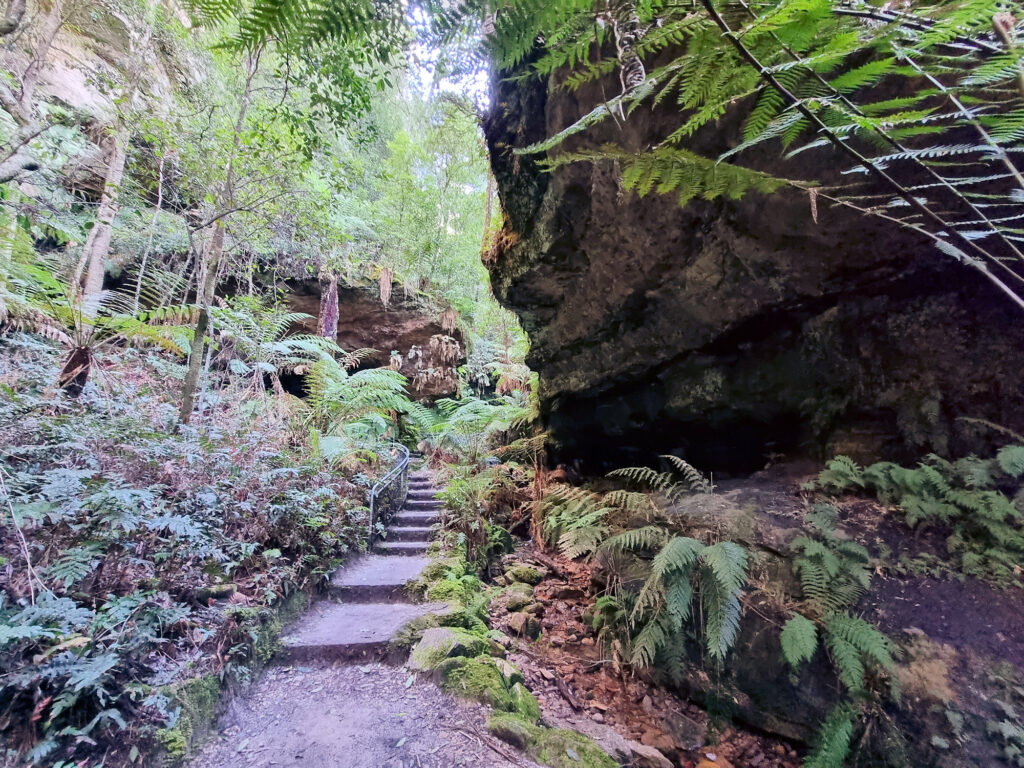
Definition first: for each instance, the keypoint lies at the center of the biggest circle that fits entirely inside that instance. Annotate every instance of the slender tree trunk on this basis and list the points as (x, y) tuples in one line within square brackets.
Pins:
[(97, 244), (204, 298), (210, 265)]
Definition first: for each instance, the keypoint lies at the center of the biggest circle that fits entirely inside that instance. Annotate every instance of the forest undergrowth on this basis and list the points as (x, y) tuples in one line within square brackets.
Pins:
[(137, 556)]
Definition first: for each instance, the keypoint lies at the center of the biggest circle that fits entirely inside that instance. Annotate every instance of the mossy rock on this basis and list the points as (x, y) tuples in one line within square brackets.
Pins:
[(513, 729), (448, 590), (197, 701), (441, 568), (525, 574), (560, 748), (440, 643), (482, 679), (520, 592), (554, 747), (413, 630)]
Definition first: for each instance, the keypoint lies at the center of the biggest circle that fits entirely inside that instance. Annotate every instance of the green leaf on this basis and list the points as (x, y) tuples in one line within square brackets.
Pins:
[(799, 640)]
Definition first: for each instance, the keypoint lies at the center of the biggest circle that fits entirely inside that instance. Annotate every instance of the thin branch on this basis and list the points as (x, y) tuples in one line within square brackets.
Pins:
[(32, 575)]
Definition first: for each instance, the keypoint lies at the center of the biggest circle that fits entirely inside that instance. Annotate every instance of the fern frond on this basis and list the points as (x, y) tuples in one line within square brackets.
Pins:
[(799, 640), (834, 739)]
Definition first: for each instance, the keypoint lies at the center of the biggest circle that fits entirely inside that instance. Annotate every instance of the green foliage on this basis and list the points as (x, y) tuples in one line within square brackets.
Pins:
[(805, 77), (799, 640), (965, 499), (833, 572), (857, 648), (834, 739), (127, 524)]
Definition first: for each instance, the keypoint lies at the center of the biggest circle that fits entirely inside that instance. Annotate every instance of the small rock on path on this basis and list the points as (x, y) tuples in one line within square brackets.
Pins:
[(351, 717)]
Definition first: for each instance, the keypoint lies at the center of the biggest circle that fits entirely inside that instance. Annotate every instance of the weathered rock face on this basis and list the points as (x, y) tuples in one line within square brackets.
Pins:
[(429, 357), (726, 331)]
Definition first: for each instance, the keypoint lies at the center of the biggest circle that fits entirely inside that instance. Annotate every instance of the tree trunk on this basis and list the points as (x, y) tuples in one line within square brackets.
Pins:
[(75, 373), (152, 229), (204, 298), (97, 244), (327, 323)]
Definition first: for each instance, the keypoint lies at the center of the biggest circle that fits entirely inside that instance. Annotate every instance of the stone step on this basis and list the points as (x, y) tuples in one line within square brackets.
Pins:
[(400, 547), (424, 494), (411, 504), (410, 533), (415, 517), (358, 632), (375, 578)]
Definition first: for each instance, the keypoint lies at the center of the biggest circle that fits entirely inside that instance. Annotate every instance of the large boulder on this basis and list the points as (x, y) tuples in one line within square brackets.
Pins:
[(403, 331), (730, 330)]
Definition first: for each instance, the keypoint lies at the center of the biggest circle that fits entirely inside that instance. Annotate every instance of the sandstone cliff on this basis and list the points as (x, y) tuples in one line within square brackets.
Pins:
[(731, 331)]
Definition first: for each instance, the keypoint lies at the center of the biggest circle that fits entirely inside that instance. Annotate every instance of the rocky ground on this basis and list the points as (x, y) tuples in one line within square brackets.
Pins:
[(577, 688)]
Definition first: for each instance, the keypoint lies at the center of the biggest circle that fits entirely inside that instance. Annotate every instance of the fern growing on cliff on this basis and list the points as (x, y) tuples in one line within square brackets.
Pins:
[(684, 569), (833, 571), (964, 497), (941, 159)]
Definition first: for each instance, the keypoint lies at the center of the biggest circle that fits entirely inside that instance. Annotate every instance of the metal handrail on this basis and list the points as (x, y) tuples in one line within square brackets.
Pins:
[(399, 473)]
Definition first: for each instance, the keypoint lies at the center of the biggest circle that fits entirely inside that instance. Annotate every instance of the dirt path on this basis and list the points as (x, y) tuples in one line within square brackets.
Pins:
[(367, 716), (364, 714)]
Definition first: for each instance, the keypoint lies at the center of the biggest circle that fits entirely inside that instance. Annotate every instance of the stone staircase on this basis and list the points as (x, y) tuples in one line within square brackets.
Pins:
[(367, 603)]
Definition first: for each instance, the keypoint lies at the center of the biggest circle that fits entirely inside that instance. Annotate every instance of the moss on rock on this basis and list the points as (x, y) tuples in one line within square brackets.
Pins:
[(518, 595), (524, 574), (440, 643), (482, 679), (553, 747), (560, 748), (448, 590), (197, 701), (513, 729)]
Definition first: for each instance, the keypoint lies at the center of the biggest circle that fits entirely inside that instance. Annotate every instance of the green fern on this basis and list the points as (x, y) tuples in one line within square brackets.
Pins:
[(965, 497), (856, 645), (834, 738), (799, 640), (1011, 460), (833, 572)]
